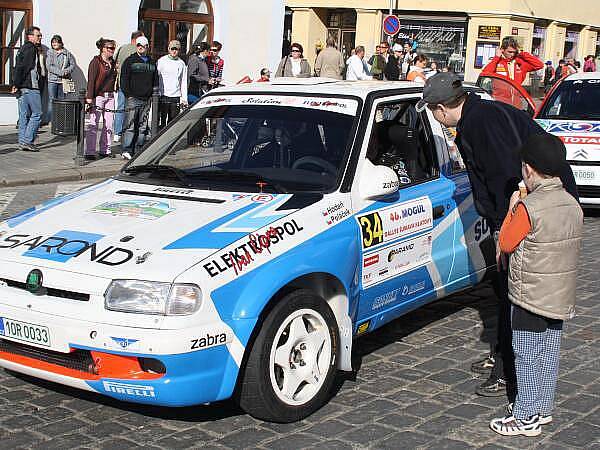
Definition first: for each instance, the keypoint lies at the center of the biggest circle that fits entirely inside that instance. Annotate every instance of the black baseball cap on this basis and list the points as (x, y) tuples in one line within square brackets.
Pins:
[(440, 89)]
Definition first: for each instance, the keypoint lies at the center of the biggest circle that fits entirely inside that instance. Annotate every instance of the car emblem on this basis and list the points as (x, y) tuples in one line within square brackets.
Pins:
[(34, 281), (581, 153)]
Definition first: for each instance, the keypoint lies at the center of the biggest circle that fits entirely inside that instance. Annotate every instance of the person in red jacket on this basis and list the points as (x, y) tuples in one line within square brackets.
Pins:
[(512, 63)]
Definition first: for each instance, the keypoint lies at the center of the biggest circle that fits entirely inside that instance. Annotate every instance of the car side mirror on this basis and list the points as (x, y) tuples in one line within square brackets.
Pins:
[(377, 181)]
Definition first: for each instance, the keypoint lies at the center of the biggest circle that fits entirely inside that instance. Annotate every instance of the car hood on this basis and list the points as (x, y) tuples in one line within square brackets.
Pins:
[(119, 229), (581, 137)]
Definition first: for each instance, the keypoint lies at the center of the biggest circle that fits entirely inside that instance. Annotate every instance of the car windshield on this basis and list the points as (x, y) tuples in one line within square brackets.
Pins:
[(576, 99), (253, 143)]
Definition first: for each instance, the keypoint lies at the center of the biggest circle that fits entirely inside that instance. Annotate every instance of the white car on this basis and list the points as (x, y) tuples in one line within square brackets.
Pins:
[(244, 250), (572, 112)]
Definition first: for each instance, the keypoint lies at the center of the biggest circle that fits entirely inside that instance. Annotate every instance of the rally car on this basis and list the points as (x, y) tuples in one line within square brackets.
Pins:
[(571, 111), (244, 250)]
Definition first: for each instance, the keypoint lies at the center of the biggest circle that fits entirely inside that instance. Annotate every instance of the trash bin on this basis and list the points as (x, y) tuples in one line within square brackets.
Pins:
[(65, 117)]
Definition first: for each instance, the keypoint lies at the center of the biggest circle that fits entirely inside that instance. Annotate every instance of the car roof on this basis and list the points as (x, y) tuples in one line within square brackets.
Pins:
[(320, 86), (583, 76)]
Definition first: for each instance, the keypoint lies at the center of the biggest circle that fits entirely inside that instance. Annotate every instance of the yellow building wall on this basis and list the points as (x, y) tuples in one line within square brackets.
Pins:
[(368, 29), (587, 43), (309, 29)]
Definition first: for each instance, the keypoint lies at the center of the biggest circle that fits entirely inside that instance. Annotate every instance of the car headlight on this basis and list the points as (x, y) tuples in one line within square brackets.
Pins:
[(150, 297)]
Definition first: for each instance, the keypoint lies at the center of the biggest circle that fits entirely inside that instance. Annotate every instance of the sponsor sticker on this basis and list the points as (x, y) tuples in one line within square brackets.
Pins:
[(135, 390), (391, 297), (396, 259), (209, 340), (571, 127), (395, 222), (126, 343), (363, 327), (141, 209), (594, 140), (335, 213)]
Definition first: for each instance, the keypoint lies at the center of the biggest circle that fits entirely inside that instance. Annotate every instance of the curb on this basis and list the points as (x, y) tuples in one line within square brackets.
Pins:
[(57, 176)]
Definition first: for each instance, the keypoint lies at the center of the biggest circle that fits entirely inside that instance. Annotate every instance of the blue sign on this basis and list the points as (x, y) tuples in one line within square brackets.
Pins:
[(391, 25)]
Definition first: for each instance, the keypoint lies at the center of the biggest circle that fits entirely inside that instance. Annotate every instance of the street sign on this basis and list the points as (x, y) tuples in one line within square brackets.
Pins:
[(391, 25)]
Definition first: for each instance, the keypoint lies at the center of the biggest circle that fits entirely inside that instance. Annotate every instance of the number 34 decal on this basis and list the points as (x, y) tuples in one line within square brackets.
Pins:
[(372, 230)]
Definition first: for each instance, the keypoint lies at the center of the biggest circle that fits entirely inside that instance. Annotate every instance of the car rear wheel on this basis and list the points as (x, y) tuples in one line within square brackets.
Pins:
[(293, 362)]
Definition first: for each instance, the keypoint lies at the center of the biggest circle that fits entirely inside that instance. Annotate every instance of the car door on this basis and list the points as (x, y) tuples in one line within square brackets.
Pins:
[(407, 246), (506, 90)]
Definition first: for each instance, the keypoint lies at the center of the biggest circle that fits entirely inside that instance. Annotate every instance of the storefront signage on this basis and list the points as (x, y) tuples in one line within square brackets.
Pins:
[(492, 32)]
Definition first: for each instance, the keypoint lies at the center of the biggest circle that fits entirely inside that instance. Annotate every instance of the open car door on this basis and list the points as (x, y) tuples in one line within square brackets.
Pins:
[(507, 91)]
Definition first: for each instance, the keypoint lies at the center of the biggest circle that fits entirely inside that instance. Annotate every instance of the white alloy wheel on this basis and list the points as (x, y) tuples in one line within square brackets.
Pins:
[(300, 357)]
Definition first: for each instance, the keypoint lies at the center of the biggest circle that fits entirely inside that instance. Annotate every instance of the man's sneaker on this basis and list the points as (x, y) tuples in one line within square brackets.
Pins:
[(126, 155), (511, 426), (484, 366), (545, 419), (117, 138), (492, 387), (29, 147)]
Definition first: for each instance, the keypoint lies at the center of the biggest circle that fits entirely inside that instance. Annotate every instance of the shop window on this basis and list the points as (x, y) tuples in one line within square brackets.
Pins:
[(188, 21), (400, 140), (15, 17)]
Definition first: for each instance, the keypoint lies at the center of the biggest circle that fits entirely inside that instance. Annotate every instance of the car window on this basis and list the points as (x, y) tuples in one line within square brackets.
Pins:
[(576, 99), (400, 140), (298, 148)]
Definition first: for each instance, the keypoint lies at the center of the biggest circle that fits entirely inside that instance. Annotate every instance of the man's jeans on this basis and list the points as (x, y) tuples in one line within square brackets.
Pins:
[(119, 116), (136, 128), (30, 115)]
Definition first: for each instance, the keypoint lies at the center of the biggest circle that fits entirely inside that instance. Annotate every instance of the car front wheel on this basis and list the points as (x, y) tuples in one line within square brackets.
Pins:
[(293, 362)]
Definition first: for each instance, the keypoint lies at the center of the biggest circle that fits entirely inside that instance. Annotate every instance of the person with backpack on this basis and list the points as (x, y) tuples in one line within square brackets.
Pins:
[(100, 97), (295, 64), (377, 64)]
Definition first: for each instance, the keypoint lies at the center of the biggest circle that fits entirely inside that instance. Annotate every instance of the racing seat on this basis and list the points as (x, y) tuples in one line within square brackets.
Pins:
[(405, 147)]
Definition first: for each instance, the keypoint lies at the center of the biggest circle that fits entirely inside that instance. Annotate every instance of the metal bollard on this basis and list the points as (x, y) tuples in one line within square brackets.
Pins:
[(79, 155), (155, 102)]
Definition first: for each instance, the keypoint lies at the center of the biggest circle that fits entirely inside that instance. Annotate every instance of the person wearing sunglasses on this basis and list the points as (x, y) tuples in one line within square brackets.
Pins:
[(102, 74), (138, 79), (294, 65), (215, 65), (172, 84)]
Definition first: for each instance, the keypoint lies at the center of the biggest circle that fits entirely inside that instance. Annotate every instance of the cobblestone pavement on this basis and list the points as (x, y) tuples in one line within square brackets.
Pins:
[(412, 389)]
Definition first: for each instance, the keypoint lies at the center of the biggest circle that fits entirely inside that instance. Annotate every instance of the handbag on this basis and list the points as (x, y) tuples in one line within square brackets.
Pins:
[(68, 85)]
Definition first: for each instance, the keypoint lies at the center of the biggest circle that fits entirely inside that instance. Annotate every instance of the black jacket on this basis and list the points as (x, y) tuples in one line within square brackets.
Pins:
[(138, 78), (392, 71), (25, 63), (489, 136)]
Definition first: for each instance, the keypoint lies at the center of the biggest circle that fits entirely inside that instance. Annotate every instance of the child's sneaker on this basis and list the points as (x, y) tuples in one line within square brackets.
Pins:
[(544, 419), (511, 426)]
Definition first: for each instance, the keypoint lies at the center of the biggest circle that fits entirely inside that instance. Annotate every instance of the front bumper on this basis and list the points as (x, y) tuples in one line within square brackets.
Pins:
[(160, 367)]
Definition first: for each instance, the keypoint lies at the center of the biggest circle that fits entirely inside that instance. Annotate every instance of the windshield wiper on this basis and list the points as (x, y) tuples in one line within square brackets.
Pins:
[(158, 168), (238, 175)]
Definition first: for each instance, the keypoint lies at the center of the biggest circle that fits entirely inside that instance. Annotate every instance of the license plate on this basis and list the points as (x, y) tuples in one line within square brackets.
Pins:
[(586, 175), (23, 331)]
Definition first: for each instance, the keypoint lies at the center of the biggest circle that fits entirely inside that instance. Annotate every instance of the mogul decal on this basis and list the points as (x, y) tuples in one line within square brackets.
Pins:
[(389, 224), (143, 209), (257, 243), (396, 259), (67, 244)]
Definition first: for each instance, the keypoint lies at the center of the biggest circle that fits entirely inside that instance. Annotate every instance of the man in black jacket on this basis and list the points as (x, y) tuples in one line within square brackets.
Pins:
[(139, 77), (489, 135), (28, 82)]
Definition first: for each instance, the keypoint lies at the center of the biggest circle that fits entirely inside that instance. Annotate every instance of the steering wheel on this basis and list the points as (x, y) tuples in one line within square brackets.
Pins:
[(315, 161)]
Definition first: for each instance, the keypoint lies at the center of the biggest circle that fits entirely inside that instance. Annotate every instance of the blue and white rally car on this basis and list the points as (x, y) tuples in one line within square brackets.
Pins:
[(244, 250)]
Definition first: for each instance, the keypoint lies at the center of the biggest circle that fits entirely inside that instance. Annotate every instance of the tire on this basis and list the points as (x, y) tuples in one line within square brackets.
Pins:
[(293, 362)]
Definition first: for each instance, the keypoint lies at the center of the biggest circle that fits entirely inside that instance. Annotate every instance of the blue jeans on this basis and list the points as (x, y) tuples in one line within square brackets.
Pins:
[(136, 127), (119, 117), (30, 115), (55, 91)]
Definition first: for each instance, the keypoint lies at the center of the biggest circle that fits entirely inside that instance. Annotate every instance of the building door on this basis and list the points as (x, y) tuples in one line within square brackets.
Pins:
[(188, 21)]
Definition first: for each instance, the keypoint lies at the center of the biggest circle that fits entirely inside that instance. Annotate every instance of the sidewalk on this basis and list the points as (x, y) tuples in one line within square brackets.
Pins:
[(54, 163)]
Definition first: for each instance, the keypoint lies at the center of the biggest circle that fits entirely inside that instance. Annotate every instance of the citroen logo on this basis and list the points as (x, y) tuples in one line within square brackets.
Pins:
[(581, 153), (34, 281)]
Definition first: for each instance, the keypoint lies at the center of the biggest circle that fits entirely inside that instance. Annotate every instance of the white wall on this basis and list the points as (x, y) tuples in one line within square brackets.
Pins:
[(250, 31)]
